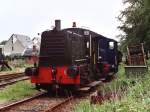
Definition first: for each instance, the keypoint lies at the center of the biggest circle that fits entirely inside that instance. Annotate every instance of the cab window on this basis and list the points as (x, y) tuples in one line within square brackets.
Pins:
[(111, 45)]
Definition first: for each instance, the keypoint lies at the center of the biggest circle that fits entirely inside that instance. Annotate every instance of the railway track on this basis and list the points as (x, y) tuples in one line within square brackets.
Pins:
[(44, 102), (11, 78), (41, 102), (59, 105), (18, 103)]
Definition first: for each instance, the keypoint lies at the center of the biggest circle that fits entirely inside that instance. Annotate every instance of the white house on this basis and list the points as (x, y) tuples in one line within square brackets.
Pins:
[(17, 44), (37, 42), (1, 48)]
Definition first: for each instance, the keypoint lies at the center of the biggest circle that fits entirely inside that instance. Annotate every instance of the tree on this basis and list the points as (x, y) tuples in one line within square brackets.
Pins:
[(3, 42), (135, 21)]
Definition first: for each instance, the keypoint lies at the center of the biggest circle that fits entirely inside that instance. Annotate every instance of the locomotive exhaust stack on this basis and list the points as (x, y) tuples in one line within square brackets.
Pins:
[(74, 25), (58, 25)]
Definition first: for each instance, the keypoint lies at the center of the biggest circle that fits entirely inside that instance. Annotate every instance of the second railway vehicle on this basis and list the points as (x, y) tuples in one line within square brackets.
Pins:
[(73, 57)]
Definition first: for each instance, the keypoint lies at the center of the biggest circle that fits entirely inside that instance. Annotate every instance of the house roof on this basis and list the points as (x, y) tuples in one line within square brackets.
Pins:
[(29, 52), (25, 40)]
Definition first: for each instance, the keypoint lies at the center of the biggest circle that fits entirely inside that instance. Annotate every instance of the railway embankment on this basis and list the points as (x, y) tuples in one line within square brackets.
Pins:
[(121, 95), (16, 92)]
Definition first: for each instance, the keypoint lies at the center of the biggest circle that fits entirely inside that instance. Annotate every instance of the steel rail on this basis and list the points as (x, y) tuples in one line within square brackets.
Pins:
[(8, 76), (12, 78), (52, 109), (6, 83), (6, 107)]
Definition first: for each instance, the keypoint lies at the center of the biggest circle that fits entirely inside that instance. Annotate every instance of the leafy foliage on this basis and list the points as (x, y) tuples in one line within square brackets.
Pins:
[(135, 21), (135, 99), (3, 42)]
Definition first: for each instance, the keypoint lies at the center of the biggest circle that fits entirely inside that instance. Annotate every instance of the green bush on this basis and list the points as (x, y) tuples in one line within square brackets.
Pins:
[(136, 97)]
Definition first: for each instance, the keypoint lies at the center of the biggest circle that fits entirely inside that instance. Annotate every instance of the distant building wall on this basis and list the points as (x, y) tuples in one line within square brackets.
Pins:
[(18, 48), (13, 47), (1, 48), (8, 47)]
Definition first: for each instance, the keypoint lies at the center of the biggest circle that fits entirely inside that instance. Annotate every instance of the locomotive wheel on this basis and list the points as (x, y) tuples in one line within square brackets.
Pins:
[(46, 87), (68, 87), (108, 78), (37, 86), (57, 89)]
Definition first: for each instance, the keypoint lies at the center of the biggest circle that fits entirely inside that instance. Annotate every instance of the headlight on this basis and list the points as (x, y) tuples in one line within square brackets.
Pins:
[(72, 71)]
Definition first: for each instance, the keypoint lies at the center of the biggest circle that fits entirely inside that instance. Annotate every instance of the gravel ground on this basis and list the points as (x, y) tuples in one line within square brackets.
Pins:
[(69, 107), (36, 105)]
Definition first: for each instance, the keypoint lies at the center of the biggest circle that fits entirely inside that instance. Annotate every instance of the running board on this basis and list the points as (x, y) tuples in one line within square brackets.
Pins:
[(90, 86)]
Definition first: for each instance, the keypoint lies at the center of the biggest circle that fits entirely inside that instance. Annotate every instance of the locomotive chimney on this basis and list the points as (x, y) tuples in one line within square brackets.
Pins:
[(58, 25), (74, 24)]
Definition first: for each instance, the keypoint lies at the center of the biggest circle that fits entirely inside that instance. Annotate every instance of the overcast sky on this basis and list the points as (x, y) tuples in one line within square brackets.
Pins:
[(29, 17)]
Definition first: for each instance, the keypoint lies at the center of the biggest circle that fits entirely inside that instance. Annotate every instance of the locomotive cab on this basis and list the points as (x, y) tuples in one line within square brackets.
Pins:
[(108, 56)]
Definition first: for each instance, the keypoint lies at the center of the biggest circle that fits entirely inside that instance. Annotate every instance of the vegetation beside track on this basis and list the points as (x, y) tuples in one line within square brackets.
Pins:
[(17, 67), (135, 98), (17, 91)]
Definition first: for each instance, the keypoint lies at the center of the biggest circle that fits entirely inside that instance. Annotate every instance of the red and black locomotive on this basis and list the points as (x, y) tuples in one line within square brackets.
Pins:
[(73, 57)]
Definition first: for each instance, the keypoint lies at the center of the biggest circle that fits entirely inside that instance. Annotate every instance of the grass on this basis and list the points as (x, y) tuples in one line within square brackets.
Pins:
[(17, 91), (16, 67), (135, 99), (148, 62)]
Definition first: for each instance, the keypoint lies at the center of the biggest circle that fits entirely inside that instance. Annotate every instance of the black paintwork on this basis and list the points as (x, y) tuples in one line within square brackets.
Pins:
[(69, 47)]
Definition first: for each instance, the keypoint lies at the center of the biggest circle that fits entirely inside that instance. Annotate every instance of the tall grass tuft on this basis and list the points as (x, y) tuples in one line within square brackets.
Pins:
[(135, 95), (17, 91)]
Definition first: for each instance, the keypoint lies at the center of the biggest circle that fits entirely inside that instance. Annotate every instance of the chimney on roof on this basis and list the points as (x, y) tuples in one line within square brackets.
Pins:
[(58, 25)]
